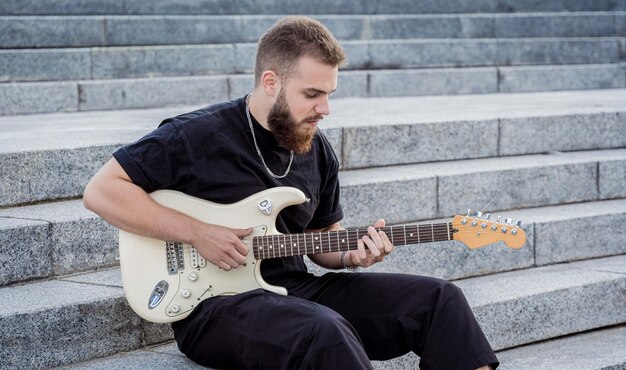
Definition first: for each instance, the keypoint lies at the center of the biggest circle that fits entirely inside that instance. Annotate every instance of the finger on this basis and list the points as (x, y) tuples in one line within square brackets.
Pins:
[(241, 248), (380, 223), (224, 266), (386, 242), (371, 245), (361, 249), (375, 238), (242, 232)]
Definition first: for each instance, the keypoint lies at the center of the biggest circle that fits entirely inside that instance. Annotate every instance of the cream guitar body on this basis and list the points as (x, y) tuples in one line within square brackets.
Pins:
[(165, 280)]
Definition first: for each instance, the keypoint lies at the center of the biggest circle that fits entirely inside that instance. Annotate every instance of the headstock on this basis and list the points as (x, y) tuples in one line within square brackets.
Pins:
[(475, 231)]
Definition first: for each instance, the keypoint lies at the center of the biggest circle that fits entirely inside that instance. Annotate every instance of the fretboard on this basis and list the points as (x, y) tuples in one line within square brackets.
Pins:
[(286, 245)]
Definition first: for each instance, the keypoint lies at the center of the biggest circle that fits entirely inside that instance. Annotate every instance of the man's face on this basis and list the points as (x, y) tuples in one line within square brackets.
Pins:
[(302, 102)]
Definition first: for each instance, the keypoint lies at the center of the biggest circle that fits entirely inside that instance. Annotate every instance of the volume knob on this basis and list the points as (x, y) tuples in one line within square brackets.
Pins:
[(186, 293), (193, 276), (175, 308)]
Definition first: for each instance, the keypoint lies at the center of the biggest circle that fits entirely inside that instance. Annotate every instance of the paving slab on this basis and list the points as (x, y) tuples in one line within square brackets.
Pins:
[(595, 350), (24, 250), (62, 7), (43, 65), (77, 239), (584, 295), (431, 190), (38, 97), (536, 304), (51, 31)]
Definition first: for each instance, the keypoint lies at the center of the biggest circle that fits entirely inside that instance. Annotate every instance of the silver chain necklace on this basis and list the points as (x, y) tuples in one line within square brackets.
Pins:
[(258, 151)]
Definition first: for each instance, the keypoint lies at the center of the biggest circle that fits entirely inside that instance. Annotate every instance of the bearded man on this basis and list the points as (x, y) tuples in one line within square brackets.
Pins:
[(226, 152)]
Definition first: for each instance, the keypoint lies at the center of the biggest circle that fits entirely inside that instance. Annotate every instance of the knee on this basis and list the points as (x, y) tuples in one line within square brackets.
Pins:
[(329, 324)]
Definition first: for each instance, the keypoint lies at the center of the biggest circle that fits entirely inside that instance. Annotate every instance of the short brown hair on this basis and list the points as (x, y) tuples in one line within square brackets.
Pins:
[(292, 38)]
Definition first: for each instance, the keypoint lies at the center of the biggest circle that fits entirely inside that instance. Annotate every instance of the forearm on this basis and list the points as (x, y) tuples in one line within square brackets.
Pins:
[(128, 207), (329, 260)]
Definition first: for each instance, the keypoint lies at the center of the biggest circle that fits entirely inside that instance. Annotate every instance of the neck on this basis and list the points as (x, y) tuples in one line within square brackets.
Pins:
[(259, 108)]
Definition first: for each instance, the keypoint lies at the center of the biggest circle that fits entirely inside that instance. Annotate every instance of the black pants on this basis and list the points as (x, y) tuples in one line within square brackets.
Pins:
[(338, 321)]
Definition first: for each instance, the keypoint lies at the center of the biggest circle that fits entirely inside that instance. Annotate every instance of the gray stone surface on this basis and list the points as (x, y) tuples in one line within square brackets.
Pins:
[(419, 143), (78, 239), (551, 78), (59, 322), (245, 55), (517, 187), (582, 296), (170, 30), (576, 231), (352, 84), (215, 7), (157, 92), (123, 62), (429, 26), (36, 97), (60, 7), (24, 250), (562, 133), (32, 176), (557, 51), (600, 349), (52, 31), (620, 21), (397, 196), (432, 53), (508, 183), (433, 82), (549, 25), (42, 65), (612, 182)]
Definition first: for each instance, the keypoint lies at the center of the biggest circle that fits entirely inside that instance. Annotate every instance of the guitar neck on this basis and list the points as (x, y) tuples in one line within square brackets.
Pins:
[(286, 245)]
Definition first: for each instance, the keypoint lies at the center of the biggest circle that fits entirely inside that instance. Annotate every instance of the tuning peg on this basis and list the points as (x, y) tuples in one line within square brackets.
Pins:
[(508, 220), (498, 219), (479, 214), (518, 223), (487, 216), (469, 212)]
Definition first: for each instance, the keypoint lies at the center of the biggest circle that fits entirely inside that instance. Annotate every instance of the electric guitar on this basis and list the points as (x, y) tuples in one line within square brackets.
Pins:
[(165, 280)]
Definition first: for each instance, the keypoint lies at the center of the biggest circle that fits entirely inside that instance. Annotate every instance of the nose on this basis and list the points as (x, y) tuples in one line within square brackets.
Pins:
[(323, 107)]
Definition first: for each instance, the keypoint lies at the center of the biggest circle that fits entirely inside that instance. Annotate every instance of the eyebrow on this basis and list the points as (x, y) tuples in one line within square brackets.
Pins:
[(313, 89)]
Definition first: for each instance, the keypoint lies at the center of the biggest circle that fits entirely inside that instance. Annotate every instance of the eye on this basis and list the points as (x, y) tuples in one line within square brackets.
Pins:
[(311, 95)]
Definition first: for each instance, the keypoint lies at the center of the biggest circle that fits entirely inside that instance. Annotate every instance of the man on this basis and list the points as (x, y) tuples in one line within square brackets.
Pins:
[(226, 152)]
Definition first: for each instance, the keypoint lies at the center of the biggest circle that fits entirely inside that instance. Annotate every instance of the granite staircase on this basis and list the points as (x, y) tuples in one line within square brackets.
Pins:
[(519, 106)]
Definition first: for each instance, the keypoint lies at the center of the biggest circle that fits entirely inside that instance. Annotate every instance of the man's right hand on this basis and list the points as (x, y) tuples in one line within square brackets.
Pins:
[(222, 246)]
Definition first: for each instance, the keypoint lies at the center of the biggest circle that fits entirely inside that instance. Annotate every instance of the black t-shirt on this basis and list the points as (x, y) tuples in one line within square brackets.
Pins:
[(209, 153)]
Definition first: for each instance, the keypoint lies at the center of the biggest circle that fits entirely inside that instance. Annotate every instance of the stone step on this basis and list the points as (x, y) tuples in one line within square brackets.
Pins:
[(88, 95), (429, 190), (201, 60), (44, 156), (82, 317), (54, 239), (46, 240), (595, 350), (224, 7), (81, 31)]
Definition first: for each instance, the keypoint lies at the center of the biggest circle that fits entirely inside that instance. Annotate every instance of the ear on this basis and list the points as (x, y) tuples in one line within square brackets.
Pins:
[(270, 82)]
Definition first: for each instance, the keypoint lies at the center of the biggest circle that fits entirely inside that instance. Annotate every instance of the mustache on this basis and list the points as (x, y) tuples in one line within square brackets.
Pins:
[(314, 118)]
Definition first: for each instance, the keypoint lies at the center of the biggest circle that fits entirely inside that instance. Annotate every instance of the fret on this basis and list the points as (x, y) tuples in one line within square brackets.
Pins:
[(313, 246), (281, 240), (432, 230), (263, 247), (417, 228), (391, 232), (448, 230), (291, 244), (404, 229), (330, 245)]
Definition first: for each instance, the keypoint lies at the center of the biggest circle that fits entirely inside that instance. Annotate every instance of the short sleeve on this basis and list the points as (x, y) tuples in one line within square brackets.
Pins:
[(159, 160)]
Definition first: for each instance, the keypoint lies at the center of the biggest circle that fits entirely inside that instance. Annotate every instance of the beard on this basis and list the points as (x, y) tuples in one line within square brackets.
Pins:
[(286, 130)]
